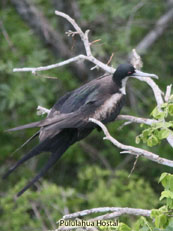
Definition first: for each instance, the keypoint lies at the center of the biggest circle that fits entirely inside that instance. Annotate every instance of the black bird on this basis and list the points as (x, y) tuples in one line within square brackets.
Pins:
[(68, 120)]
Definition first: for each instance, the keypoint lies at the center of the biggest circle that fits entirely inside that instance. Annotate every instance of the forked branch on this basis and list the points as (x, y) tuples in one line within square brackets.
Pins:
[(130, 149)]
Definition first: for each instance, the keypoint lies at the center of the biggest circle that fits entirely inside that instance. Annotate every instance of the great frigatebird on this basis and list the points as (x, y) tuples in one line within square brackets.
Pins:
[(68, 120)]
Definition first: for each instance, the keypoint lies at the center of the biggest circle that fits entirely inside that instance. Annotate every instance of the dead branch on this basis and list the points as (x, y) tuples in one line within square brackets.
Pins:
[(117, 211), (130, 149), (53, 38), (111, 213)]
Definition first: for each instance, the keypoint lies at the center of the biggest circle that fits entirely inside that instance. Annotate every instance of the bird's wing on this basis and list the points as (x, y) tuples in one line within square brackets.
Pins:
[(57, 106), (76, 99), (75, 119), (68, 107), (74, 108), (73, 100)]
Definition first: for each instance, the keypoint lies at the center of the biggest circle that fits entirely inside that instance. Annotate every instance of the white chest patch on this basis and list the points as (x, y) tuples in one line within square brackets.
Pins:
[(108, 107), (123, 88)]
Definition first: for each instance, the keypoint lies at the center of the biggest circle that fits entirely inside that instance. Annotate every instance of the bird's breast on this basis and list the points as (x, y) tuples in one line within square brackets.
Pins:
[(109, 110)]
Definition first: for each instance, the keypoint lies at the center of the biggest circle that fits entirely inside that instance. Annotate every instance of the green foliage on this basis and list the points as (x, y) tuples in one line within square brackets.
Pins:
[(123, 191), (22, 213), (162, 218), (123, 227), (162, 128), (96, 187), (167, 182)]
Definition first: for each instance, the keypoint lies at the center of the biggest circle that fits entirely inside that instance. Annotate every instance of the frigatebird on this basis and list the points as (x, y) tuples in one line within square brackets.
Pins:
[(68, 120)]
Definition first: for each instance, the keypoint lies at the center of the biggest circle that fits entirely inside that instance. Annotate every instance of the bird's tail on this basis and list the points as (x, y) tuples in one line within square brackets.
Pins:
[(57, 145)]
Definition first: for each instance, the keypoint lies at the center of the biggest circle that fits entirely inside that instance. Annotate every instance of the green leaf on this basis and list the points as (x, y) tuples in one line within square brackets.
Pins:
[(155, 213), (161, 221), (166, 194), (123, 227), (145, 134), (157, 114), (165, 174), (170, 109), (163, 133), (158, 125), (138, 139), (167, 181), (153, 140), (171, 99), (164, 105)]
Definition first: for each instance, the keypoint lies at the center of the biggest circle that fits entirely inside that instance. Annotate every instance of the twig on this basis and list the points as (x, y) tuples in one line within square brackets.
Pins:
[(87, 44), (46, 77), (138, 120), (71, 33), (95, 41), (124, 124), (84, 36), (134, 165), (42, 110), (130, 149), (136, 60), (110, 59), (168, 93), (44, 68)]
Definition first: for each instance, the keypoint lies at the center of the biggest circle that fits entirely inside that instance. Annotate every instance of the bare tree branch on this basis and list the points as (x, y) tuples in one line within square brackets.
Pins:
[(113, 212), (41, 26), (136, 61), (44, 68), (117, 211), (87, 44), (68, 61), (130, 149)]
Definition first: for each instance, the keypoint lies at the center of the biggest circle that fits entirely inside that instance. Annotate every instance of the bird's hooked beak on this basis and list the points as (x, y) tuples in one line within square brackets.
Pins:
[(143, 74)]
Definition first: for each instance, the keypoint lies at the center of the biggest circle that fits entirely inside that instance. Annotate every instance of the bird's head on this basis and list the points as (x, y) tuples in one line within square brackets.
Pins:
[(124, 71)]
